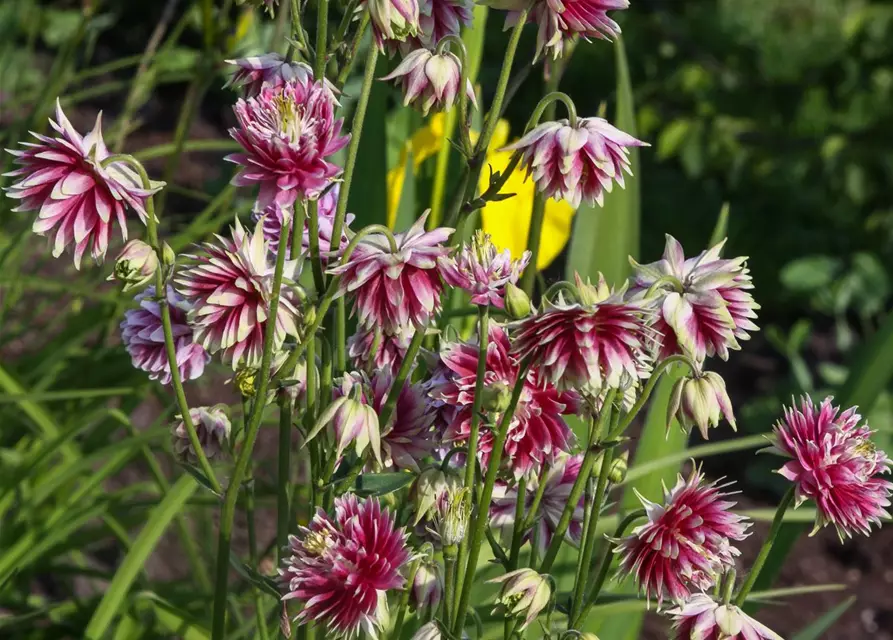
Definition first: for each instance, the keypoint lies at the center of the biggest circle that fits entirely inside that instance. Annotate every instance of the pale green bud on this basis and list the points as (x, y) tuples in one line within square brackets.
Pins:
[(427, 488), (496, 398), (524, 593), (700, 401), (135, 266), (517, 303)]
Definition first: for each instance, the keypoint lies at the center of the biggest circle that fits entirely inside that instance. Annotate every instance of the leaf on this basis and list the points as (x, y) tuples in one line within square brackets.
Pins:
[(815, 630), (380, 484), (159, 518), (261, 582), (810, 273), (721, 229)]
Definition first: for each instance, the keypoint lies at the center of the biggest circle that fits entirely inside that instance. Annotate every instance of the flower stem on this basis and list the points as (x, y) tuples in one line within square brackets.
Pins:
[(518, 530), (227, 514), (449, 583), (403, 605), (283, 508), (534, 235), (483, 504), (402, 373), (319, 279), (261, 620), (322, 26), (537, 498), (766, 548)]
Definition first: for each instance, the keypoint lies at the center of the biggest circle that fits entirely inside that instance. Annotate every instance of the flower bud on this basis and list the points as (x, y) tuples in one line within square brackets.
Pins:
[(496, 398), (524, 593), (701, 401), (393, 19), (617, 472), (453, 510), (135, 265), (212, 426), (427, 586), (517, 303), (428, 487), (168, 257), (429, 79), (429, 631)]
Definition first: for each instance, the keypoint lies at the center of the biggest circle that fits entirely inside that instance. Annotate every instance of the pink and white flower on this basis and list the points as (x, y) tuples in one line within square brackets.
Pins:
[(393, 21), (559, 21), (372, 350), (703, 618), (537, 433), (407, 438), (229, 287), (482, 271), (352, 418), (212, 426), (440, 18), (836, 465), (686, 543), (705, 305), (395, 288), (269, 69), (429, 79), (143, 337), (577, 162), (287, 132), (342, 568), (64, 180)]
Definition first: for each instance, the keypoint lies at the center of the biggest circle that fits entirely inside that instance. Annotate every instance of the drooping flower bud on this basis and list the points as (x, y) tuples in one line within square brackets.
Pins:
[(524, 593), (700, 401), (428, 487), (135, 266), (427, 586), (430, 80), (517, 303), (352, 420), (617, 472), (429, 631), (393, 19), (245, 381), (212, 426)]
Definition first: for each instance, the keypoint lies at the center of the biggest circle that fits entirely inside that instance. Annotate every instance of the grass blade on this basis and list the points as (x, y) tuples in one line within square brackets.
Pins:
[(817, 629)]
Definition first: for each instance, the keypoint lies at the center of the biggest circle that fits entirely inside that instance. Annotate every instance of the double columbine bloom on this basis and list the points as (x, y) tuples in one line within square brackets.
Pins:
[(703, 618), (430, 80), (483, 271), (212, 426)]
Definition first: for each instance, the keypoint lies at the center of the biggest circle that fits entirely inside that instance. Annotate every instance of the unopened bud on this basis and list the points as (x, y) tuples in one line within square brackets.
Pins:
[(453, 511), (309, 320), (496, 398), (517, 303), (427, 488), (427, 586), (701, 401), (168, 257), (135, 265), (619, 466), (524, 593)]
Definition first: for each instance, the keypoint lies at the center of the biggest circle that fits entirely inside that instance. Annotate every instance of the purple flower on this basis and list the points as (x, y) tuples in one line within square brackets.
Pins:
[(393, 20), (143, 337), (440, 18), (702, 618), (407, 438), (371, 350), (481, 271), (352, 417), (212, 427), (430, 79)]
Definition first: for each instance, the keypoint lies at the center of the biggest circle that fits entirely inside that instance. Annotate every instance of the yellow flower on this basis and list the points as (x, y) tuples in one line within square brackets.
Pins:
[(507, 221)]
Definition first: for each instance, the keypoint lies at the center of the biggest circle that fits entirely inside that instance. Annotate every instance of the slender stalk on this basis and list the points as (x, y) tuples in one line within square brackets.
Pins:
[(218, 630), (537, 498), (534, 236), (261, 620), (403, 605), (354, 48), (518, 530), (766, 548), (283, 488), (402, 373), (322, 26), (449, 583), (319, 279), (482, 516), (340, 338)]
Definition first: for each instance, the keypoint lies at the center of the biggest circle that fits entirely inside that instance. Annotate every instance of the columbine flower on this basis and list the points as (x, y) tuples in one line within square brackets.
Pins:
[(524, 593), (393, 20), (212, 427), (559, 479), (63, 179), (270, 69), (429, 631), (372, 350), (430, 79), (575, 163), (425, 492), (708, 308), (599, 341), (407, 438), (143, 337), (537, 433), (836, 465), (287, 132), (483, 272), (439, 18), (394, 290), (135, 266), (342, 568), (427, 586), (700, 400), (702, 618), (686, 543), (352, 418), (229, 286)]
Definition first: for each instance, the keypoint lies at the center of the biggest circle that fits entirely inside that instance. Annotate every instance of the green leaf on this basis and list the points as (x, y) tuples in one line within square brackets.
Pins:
[(368, 199), (810, 273), (117, 591), (380, 484), (721, 230), (816, 630)]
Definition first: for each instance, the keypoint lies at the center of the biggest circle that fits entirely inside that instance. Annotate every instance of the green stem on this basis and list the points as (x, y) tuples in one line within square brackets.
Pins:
[(766, 548), (354, 48), (482, 516), (261, 620), (228, 512), (537, 498), (518, 529), (319, 279), (534, 236), (322, 26), (449, 583), (340, 339), (403, 605), (402, 373), (283, 508)]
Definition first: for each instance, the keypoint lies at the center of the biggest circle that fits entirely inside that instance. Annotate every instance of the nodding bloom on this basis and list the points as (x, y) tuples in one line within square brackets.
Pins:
[(64, 180), (431, 631), (353, 419), (135, 266), (559, 21), (407, 438), (559, 480), (705, 305), (270, 69), (452, 514), (686, 543), (229, 286), (482, 271), (287, 132), (700, 401), (429, 79), (342, 568), (836, 465), (393, 20), (537, 433), (440, 18), (576, 162), (212, 427), (598, 341), (372, 350), (427, 586), (427, 490), (524, 593), (703, 618), (395, 288), (143, 337)]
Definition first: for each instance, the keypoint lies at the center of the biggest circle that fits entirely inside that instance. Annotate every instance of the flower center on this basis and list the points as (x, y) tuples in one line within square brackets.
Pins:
[(291, 123), (318, 542)]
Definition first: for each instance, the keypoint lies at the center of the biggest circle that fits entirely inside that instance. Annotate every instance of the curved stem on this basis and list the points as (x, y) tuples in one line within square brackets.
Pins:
[(563, 285), (548, 103), (766, 548), (449, 455)]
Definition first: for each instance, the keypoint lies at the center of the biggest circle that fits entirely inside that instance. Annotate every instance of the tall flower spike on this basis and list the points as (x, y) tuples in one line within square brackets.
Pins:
[(686, 543), (708, 308), (229, 286), (702, 618), (63, 179), (143, 337), (597, 342), (287, 132), (212, 426), (429, 79), (342, 568), (395, 290), (482, 271), (836, 465), (576, 162)]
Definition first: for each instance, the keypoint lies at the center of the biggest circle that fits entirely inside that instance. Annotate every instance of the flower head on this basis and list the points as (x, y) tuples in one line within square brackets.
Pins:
[(427, 586), (836, 465), (269, 70), (64, 180), (352, 417), (287, 132), (342, 568), (576, 162), (393, 20), (429, 79), (135, 266), (439, 18), (599, 341), (559, 21), (143, 337), (229, 286), (373, 350), (407, 438), (429, 631), (702, 618), (427, 489), (686, 542), (700, 400), (537, 433), (524, 593), (482, 271), (212, 427), (705, 305), (398, 287)]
